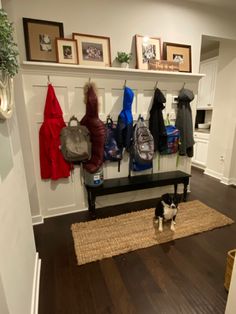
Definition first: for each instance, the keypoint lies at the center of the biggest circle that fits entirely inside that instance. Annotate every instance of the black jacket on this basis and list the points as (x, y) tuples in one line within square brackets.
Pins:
[(156, 121), (184, 122)]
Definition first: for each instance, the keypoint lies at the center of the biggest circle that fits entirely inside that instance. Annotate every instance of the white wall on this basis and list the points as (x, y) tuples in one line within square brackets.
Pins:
[(17, 246), (231, 303), (17, 258), (222, 137)]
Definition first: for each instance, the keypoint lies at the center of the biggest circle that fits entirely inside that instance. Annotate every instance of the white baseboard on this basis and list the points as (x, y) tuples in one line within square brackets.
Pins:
[(228, 181), (65, 213), (36, 283), (37, 220), (213, 173), (194, 164)]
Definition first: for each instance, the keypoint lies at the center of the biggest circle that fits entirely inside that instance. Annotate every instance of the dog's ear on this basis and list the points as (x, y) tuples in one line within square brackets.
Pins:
[(166, 198)]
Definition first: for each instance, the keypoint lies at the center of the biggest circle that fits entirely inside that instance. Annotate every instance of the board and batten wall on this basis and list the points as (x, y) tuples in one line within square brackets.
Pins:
[(68, 195), (172, 21)]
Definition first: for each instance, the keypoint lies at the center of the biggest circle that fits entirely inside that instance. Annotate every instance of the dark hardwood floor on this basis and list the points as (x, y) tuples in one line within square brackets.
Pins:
[(184, 276)]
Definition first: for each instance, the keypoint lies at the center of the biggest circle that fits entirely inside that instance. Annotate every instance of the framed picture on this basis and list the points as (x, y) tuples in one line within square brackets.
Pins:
[(147, 48), (180, 53), (93, 50), (40, 39), (66, 51)]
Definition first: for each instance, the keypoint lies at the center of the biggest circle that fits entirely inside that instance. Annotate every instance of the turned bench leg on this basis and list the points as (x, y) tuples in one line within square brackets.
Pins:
[(91, 204), (185, 190)]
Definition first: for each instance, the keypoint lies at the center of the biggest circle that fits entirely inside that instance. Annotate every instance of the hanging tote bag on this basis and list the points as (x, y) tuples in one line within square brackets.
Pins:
[(75, 142)]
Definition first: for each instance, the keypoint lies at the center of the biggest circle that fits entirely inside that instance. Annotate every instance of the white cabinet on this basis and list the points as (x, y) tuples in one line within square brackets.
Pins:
[(200, 149), (206, 89)]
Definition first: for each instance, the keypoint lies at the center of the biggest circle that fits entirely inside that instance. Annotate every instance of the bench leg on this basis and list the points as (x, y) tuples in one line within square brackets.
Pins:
[(185, 190), (91, 204), (176, 187)]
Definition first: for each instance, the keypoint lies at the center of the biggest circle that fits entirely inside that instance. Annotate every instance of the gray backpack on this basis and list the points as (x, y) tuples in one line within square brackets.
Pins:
[(143, 143), (75, 142)]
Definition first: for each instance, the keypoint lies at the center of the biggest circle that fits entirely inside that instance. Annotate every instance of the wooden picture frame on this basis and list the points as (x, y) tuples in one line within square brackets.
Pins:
[(67, 51), (40, 39), (147, 48), (93, 50), (180, 53)]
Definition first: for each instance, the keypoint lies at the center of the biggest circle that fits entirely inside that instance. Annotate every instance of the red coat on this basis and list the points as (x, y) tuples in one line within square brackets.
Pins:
[(52, 164)]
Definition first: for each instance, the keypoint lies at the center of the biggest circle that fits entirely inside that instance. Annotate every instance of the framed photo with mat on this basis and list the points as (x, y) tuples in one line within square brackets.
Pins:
[(40, 39), (93, 50), (66, 51), (147, 48), (178, 53)]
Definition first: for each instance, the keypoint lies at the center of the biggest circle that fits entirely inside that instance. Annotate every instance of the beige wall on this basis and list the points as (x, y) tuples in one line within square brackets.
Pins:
[(173, 21)]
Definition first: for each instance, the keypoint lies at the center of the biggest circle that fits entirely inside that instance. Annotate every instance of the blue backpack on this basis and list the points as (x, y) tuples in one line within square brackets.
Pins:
[(111, 150), (172, 146)]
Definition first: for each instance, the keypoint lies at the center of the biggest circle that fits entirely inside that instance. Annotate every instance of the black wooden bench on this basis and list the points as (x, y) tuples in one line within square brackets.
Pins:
[(125, 184)]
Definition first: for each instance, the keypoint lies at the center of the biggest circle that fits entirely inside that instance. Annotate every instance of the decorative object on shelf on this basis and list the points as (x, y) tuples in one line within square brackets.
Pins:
[(163, 65), (178, 53), (147, 48), (93, 50), (124, 58), (8, 65), (67, 51), (40, 39)]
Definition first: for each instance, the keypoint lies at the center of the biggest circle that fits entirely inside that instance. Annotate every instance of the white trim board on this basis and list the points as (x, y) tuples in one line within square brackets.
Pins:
[(37, 220), (228, 181), (36, 283), (213, 173)]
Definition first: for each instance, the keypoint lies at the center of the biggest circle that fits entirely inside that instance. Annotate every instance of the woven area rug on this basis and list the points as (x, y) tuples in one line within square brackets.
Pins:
[(101, 238)]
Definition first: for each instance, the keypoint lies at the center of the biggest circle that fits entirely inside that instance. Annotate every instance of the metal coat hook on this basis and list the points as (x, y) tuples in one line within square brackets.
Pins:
[(49, 82), (156, 85), (89, 79), (125, 84), (184, 85)]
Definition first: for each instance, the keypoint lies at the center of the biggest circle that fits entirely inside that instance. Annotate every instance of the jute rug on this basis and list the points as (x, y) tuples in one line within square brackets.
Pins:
[(101, 238)]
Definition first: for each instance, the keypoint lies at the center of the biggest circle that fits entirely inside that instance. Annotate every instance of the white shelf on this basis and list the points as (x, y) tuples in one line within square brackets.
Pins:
[(55, 67)]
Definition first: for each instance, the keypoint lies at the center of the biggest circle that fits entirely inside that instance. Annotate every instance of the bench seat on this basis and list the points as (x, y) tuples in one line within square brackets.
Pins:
[(125, 184)]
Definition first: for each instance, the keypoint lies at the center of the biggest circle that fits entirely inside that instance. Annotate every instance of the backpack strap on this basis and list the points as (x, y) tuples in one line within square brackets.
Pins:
[(167, 120), (159, 161), (118, 165)]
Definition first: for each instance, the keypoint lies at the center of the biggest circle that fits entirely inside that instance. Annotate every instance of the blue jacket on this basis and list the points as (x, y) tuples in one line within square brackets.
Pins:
[(124, 130)]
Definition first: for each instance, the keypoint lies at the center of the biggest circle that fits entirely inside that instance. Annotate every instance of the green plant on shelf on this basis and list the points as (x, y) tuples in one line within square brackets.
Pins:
[(8, 48), (123, 57)]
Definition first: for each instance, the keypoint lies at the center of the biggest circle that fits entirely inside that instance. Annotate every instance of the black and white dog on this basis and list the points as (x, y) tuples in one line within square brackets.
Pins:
[(167, 209)]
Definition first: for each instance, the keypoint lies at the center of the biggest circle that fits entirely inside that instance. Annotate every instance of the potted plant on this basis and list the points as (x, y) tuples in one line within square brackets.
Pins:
[(8, 65), (124, 58)]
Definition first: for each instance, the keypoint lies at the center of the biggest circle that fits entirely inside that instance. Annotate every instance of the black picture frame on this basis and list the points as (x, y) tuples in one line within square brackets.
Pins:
[(40, 39)]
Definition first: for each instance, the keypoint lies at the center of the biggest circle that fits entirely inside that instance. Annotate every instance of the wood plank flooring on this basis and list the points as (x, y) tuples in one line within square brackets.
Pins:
[(183, 276)]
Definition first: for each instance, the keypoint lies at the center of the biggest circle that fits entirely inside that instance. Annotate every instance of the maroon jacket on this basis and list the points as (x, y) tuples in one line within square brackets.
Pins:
[(52, 164), (96, 128)]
